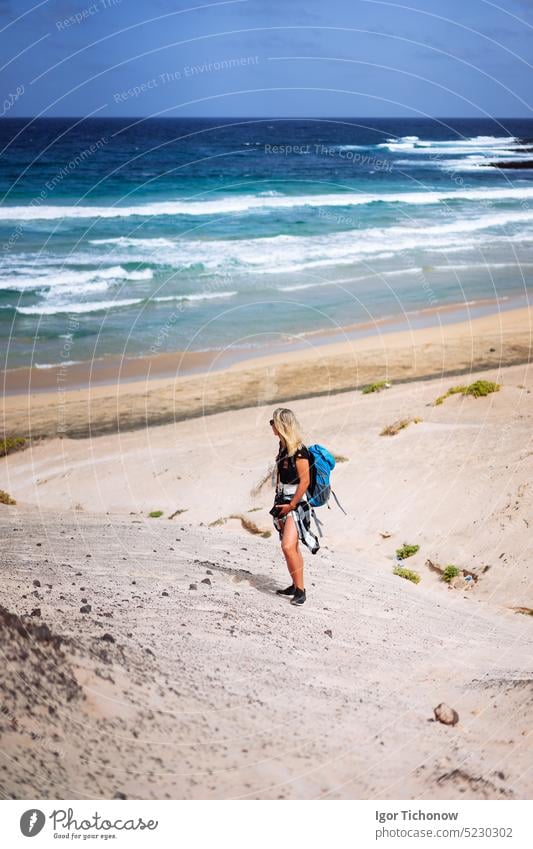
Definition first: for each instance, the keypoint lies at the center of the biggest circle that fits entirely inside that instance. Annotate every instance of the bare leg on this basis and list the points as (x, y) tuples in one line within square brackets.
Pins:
[(293, 555)]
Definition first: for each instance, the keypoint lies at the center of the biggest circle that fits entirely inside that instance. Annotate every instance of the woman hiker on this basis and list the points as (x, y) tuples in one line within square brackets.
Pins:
[(291, 511)]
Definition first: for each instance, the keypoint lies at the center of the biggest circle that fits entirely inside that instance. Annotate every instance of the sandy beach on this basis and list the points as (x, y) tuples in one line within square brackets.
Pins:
[(120, 395), (156, 648)]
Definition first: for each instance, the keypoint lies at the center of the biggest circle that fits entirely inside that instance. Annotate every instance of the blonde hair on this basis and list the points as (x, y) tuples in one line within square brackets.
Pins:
[(288, 427)]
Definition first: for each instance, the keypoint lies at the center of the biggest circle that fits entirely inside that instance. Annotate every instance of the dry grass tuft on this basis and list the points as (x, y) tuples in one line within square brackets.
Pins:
[(246, 523), (177, 513), (526, 611), (256, 490), (397, 426)]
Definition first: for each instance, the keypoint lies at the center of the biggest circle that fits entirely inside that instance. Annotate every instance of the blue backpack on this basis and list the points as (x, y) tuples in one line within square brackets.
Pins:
[(321, 465)]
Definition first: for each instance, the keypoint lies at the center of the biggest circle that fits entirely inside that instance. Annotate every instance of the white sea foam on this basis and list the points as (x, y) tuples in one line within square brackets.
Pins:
[(56, 308), (285, 254), (73, 280), (243, 203), (198, 296), (486, 266), (288, 254), (413, 144), (132, 242), (88, 306), (57, 365)]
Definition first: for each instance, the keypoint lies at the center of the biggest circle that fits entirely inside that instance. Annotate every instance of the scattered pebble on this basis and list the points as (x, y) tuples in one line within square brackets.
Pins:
[(36, 583), (109, 638), (206, 581), (328, 633), (193, 587), (85, 608)]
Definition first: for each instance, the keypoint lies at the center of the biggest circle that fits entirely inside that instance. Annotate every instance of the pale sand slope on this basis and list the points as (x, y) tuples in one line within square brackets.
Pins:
[(243, 695), (459, 484), (226, 691)]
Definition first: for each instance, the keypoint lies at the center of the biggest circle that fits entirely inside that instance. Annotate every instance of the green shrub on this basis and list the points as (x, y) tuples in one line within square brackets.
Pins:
[(408, 574), (375, 387), (450, 572), (406, 551), (5, 498), (454, 390), (12, 443), (155, 514), (478, 389)]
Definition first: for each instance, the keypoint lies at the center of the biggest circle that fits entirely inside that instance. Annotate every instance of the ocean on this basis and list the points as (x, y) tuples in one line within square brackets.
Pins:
[(136, 237)]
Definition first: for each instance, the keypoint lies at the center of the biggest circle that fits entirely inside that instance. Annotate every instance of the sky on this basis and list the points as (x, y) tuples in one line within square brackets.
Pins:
[(252, 58)]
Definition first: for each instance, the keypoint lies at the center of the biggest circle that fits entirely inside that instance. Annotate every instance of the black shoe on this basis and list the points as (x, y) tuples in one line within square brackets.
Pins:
[(289, 591), (299, 597)]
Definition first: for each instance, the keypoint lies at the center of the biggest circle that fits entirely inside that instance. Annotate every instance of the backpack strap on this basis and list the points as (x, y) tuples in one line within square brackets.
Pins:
[(338, 503), (318, 523)]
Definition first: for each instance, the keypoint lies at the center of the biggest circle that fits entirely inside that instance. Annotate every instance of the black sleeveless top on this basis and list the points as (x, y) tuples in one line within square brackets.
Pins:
[(287, 465)]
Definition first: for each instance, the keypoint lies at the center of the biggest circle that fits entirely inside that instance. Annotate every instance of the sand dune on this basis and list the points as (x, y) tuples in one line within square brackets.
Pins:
[(172, 687), (226, 691)]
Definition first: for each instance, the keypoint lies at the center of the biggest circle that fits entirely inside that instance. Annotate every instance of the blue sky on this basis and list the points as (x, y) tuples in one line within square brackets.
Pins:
[(266, 57)]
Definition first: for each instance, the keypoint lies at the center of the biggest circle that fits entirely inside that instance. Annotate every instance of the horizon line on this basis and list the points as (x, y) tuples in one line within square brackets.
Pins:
[(265, 118)]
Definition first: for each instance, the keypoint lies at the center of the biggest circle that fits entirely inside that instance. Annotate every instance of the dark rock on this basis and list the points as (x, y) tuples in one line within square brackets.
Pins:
[(84, 601), (36, 583), (119, 795), (36, 611), (206, 581), (328, 633), (164, 592), (517, 164), (208, 572), (193, 587), (445, 714), (85, 608), (109, 638)]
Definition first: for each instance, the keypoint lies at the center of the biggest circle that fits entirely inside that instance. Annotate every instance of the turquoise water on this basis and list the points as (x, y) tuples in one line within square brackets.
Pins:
[(147, 236)]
